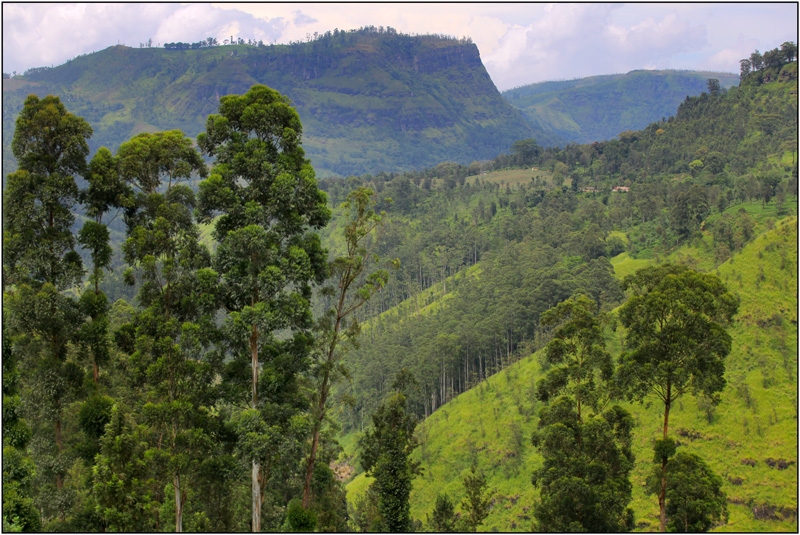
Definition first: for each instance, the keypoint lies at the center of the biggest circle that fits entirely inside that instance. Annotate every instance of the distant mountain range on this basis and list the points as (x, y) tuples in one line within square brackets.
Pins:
[(600, 107), (369, 100)]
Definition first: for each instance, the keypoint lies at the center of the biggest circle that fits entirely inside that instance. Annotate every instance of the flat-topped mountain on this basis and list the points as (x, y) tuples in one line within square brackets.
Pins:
[(369, 100)]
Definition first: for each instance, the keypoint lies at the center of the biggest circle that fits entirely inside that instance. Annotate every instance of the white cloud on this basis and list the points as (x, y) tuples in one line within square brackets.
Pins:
[(301, 19), (519, 43)]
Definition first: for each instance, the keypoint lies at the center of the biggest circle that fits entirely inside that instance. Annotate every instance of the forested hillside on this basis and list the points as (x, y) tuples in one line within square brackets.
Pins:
[(537, 243), (600, 107), (369, 100), (460, 330), (224, 347), (746, 437)]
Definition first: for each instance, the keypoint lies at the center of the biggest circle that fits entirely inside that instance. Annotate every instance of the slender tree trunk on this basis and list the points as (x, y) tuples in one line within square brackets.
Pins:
[(256, 484), (59, 445), (178, 505), (312, 458), (256, 487), (95, 370), (662, 495), (254, 363)]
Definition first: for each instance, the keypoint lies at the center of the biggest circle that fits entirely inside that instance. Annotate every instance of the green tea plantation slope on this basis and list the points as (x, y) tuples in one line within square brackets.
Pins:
[(750, 439)]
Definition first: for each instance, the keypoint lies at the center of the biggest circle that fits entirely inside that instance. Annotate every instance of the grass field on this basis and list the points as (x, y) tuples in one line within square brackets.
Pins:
[(512, 177)]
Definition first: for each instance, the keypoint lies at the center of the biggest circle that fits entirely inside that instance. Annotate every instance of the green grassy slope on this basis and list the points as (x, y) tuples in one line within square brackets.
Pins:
[(600, 107), (757, 420)]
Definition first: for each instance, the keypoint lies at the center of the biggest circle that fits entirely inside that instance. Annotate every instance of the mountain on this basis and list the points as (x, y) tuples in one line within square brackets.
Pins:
[(369, 100), (600, 107)]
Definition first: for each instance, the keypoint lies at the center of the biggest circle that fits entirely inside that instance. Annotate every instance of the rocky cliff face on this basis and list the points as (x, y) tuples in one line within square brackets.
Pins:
[(369, 100)]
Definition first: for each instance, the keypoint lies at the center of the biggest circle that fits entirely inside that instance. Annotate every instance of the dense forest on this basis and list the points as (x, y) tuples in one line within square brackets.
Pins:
[(186, 353)]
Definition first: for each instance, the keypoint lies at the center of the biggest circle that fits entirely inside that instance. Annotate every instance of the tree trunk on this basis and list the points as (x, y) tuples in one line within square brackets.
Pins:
[(254, 363), (662, 495), (256, 523), (95, 370), (256, 490), (178, 505), (59, 445), (312, 458)]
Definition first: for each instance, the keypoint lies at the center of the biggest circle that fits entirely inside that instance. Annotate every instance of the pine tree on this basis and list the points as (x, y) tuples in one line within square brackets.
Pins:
[(386, 456)]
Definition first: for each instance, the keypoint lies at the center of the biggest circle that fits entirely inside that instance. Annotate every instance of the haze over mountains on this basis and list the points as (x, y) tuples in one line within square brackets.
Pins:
[(600, 107), (370, 101)]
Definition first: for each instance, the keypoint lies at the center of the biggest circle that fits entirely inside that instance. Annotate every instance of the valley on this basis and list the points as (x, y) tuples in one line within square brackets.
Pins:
[(376, 294)]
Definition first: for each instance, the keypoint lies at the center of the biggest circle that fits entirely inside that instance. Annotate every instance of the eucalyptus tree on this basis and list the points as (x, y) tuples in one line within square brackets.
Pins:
[(676, 343), (265, 194), (106, 191), (50, 145), (354, 283), (39, 263), (585, 444), (174, 326)]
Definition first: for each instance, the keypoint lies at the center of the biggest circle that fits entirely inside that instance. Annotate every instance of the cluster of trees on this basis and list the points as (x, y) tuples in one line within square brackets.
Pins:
[(340, 37), (210, 41), (721, 141), (771, 59), (676, 343), (209, 397)]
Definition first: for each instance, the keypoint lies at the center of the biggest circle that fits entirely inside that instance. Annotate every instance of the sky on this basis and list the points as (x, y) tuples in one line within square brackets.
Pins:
[(519, 43)]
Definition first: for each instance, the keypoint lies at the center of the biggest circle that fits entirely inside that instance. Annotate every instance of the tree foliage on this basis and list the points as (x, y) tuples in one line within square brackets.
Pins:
[(677, 341), (477, 501), (386, 456), (695, 499), (586, 447)]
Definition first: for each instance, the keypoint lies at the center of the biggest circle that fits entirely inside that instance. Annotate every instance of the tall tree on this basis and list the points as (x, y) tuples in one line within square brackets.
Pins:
[(106, 191), (50, 145), (676, 341), (586, 448), (265, 193), (174, 326), (353, 285), (39, 259), (386, 456)]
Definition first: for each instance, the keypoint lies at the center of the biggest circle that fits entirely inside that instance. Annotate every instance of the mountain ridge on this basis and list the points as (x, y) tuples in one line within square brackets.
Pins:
[(597, 108), (368, 101)]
